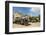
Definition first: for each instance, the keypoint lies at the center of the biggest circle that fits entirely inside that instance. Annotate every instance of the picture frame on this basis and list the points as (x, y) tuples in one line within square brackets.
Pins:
[(9, 20)]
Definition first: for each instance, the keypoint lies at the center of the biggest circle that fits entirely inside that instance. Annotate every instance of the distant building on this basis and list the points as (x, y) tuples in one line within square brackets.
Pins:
[(16, 15)]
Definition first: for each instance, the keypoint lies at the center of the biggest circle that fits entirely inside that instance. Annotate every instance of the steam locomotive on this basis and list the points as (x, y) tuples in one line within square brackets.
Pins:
[(22, 21)]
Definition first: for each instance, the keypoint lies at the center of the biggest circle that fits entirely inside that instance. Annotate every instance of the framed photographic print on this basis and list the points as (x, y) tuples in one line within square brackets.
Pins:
[(24, 17)]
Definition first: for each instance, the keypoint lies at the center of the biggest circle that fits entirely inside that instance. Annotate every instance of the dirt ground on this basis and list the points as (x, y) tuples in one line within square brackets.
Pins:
[(37, 24)]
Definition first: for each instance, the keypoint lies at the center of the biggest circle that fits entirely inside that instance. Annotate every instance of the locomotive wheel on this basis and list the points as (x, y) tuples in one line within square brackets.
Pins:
[(22, 23)]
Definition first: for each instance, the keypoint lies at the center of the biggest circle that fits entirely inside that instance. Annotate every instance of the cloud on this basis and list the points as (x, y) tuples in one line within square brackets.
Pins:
[(35, 11)]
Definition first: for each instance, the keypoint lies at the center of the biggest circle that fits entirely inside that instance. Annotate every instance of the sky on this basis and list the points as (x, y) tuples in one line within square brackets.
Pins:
[(32, 11)]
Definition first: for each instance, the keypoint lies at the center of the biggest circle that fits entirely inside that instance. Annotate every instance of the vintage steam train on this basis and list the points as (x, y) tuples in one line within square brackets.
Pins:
[(25, 20)]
